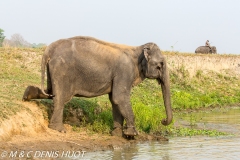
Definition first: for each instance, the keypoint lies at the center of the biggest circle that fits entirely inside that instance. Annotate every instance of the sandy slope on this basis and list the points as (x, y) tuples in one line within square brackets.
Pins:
[(33, 138)]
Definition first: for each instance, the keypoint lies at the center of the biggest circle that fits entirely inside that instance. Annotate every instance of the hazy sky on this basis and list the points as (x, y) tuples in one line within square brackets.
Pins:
[(183, 24)]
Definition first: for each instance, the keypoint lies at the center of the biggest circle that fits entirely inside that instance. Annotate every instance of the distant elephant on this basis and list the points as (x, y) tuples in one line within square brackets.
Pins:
[(88, 67), (206, 50)]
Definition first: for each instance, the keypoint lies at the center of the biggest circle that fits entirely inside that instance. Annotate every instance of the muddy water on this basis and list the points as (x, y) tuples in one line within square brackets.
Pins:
[(192, 148)]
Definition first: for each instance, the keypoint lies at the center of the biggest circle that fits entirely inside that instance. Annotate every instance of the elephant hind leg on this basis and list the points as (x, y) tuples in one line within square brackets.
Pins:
[(56, 121)]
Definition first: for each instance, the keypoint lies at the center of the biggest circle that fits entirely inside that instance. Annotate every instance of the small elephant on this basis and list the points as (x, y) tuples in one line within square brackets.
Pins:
[(88, 67)]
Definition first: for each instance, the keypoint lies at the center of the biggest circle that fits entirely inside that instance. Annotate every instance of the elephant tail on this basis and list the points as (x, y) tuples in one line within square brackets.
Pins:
[(45, 60)]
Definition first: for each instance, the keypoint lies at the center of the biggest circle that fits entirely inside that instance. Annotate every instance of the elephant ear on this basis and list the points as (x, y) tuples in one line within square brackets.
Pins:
[(147, 49)]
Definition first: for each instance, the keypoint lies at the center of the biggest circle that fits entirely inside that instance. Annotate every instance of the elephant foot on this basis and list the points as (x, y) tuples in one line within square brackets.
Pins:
[(117, 132), (130, 131), (59, 127)]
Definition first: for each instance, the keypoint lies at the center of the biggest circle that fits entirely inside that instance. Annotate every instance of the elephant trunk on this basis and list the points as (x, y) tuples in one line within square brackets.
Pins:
[(164, 81)]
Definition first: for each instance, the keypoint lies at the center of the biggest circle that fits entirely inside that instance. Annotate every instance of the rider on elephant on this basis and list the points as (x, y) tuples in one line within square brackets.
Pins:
[(208, 45)]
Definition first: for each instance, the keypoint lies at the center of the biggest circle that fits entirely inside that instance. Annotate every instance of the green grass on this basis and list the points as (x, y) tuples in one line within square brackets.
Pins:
[(204, 91), (16, 72), (20, 67), (194, 132)]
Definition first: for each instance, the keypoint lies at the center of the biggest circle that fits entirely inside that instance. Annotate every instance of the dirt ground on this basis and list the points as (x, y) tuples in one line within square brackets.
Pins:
[(26, 136)]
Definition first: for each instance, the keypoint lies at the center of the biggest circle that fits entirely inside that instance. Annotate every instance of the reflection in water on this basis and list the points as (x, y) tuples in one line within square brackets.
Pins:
[(184, 148), (195, 148)]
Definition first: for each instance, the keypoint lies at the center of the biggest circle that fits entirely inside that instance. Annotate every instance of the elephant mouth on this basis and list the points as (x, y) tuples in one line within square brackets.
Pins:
[(159, 81), (151, 77)]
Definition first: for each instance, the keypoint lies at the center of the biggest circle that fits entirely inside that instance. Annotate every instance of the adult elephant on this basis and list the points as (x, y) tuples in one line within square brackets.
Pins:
[(206, 50), (88, 67)]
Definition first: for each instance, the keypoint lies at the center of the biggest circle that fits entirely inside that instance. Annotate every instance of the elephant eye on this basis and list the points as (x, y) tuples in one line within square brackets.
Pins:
[(159, 65)]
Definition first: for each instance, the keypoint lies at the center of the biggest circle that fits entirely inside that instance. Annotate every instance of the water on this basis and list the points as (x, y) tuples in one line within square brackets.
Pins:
[(195, 148), (221, 119), (184, 148)]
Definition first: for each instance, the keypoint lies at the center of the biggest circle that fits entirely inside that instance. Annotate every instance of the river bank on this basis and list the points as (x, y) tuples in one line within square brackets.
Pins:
[(50, 144), (27, 136)]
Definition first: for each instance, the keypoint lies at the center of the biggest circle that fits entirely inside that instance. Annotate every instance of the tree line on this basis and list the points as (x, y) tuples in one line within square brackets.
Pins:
[(17, 40)]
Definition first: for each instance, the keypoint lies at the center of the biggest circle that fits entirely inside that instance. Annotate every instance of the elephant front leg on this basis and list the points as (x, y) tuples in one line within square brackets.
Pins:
[(130, 129), (122, 110), (56, 121), (117, 119)]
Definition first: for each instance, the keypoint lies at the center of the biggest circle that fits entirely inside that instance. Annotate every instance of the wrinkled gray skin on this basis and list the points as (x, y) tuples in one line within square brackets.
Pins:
[(87, 67), (206, 50)]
